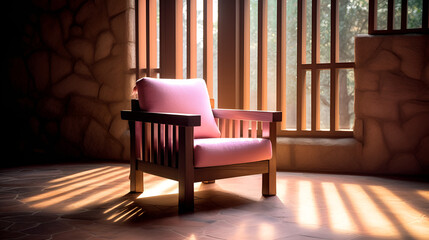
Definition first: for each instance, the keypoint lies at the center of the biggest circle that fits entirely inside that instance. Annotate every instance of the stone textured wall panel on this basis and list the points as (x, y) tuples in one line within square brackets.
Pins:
[(394, 105), (68, 76)]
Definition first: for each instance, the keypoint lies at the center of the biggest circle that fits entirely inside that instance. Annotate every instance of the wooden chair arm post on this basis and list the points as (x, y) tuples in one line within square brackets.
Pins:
[(269, 179), (186, 169)]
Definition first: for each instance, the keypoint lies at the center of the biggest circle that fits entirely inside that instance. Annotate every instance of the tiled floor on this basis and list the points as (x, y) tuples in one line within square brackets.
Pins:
[(91, 201)]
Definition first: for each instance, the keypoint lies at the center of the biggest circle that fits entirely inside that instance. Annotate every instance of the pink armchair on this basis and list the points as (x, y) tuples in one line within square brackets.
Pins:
[(175, 134)]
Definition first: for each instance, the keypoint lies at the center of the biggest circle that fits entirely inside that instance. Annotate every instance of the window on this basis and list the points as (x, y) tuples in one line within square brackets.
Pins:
[(289, 55)]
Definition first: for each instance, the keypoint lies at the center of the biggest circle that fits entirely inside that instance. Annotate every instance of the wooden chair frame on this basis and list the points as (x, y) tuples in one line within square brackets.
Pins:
[(167, 147)]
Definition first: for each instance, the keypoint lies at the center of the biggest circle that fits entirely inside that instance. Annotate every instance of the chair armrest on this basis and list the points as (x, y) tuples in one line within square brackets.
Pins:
[(236, 114), (162, 118)]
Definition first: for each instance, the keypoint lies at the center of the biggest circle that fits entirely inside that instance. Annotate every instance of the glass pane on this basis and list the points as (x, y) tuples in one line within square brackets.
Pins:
[(346, 87), (415, 10), (325, 96), (397, 14), (353, 20), (308, 100), (308, 35), (215, 50), (325, 31), (271, 54), (382, 14), (291, 61), (200, 38), (253, 54), (185, 37)]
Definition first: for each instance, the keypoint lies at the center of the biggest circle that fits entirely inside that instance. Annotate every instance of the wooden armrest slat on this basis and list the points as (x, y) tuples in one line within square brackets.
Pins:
[(236, 114), (163, 118)]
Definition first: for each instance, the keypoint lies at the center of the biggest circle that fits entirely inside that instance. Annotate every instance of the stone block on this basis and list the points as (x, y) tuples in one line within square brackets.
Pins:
[(118, 127), (371, 104), (81, 49), (97, 22), (82, 69), (397, 139), (366, 80), (384, 61), (99, 143), (414, 107), (51, 32), (398, 88), (66, 18), (72, 128), (83, 106), (411, 51), (374, 152), (109, 71), (60, 67), (358, 129), (75, 84), (115, 7), (111, 94), (404, 164), (365, 47), (50, 107), (104, 45), (38, 64), (423, 153), (119, 25)]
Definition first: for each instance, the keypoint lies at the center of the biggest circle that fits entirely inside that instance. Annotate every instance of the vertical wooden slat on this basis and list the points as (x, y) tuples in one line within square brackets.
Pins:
[(160, 144), (315, 100), (237, 128), (245, 53), (245, 130), (262, 54), (171, 37), (228, 55), (148, 142), (222, 127), (175, 157), (301, 56), (140, 26), (334, 109), (208, 45), (191, 39), (281, 60), (425, 15), (404, 14), (254, 129), (166, 145), (153, 149), (372, 16), (315, 73), (230, 128), (390, 17), (151, 50)]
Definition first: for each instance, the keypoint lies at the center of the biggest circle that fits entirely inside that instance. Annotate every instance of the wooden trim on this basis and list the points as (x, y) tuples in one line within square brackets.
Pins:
[(151, 46), (322, 66), (372, 16), (171, 37), (158, 170), (281, 60), (390, 16), (191, 49), (269, 179), (315, 100), (404, 14), (208, 46), (262, 54), (425, 15), (245, 54), (316, 134), (186, 169), (140, 44), (162, 118), (264, 116), (235, 170)]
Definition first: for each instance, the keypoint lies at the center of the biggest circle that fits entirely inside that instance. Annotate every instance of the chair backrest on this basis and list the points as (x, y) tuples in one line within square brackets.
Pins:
[(188, 96)]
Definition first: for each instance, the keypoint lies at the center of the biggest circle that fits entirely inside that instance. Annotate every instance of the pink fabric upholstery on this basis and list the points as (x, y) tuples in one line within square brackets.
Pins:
[(225, 151), (188, 96)]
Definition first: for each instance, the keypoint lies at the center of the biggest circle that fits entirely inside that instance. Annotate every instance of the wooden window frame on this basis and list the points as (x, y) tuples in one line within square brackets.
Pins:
[(372, 19)]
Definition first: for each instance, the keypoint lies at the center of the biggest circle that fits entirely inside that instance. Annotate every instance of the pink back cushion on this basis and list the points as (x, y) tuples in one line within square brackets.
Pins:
[(188, 96)]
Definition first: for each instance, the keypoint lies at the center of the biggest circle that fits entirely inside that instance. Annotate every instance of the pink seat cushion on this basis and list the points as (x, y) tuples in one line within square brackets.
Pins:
[(225, 151), (188, 96)]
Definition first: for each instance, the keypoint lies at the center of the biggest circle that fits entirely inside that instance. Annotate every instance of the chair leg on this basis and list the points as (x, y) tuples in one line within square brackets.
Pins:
[(269, 181), (136, 180), (186, 195)]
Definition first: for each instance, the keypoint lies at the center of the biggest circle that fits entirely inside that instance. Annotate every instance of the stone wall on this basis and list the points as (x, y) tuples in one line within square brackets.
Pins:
[(392, 103), (68, 78)]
